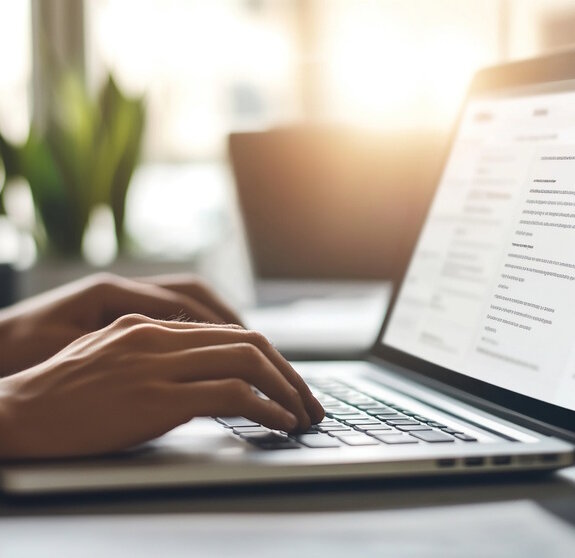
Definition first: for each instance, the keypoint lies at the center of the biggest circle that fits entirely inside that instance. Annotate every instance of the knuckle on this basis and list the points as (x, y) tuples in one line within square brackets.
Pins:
[(142, 332), (255, 338), (131, 320), (249, 353), (103, 281)]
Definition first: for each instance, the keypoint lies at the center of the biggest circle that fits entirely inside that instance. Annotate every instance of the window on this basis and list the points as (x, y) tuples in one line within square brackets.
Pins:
[(205, 67), (15, 68)]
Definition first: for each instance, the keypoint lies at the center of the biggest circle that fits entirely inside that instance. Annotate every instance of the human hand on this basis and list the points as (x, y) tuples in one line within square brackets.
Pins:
[(37, 328), (137, 379)]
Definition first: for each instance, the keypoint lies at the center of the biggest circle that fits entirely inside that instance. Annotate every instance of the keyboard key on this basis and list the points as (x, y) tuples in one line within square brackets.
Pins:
[(436, 424), (381, 411), (368, 420), (269, 440), (347, 411), (356, 401), (249, 429), (342, 393), (397, 439), (372, 427), (334, 428), (412, 427), (263, 437), (390, 416), (403, 421), (337, 409), (464, 437), (432, 436), (349, 417), (318, 441), (236, 421), (361, 440), (332, 410), (376, 433)]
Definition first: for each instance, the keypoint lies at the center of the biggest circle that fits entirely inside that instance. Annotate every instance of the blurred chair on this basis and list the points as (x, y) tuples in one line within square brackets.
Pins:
[(332, 202)]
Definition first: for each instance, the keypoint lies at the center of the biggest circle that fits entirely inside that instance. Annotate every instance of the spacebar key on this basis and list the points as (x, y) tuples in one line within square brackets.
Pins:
[(318, 441)]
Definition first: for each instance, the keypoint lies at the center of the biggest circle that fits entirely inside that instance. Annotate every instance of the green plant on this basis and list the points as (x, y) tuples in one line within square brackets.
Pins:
[(84, 157)]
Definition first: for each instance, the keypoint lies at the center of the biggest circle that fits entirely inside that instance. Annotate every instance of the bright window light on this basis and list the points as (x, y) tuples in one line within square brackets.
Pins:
[(404, 64), (15, 68)]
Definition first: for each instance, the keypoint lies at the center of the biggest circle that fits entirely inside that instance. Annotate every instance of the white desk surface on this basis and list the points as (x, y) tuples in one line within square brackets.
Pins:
[(523, 517)]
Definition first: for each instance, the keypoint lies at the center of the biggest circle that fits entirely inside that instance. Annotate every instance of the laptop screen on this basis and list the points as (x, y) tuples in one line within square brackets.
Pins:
[(490, 289)]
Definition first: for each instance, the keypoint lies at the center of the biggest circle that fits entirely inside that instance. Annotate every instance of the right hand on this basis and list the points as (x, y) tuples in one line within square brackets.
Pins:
[(140, 377)]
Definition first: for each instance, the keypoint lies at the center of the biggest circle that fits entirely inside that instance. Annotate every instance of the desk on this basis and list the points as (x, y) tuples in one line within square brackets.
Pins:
[(450, 517)]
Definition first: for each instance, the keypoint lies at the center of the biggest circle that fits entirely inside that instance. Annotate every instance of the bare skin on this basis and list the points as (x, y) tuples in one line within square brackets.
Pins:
[(41, 326), (125, 382)]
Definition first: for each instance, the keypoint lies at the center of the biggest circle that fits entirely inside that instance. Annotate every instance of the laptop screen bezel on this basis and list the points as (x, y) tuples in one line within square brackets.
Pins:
[(544, 70)]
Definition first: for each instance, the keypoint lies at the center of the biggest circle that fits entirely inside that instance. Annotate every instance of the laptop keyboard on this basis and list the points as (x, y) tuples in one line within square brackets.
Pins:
[(352, 418)]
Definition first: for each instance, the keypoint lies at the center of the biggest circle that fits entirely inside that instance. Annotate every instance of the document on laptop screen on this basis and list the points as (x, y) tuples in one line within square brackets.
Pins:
[(490, 290)]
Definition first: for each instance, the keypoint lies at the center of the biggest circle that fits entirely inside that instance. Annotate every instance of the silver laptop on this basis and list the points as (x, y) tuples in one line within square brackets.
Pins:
[(474, 368)]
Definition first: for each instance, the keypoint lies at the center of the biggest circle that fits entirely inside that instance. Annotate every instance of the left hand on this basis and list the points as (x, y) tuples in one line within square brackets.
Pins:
[(39, 327)]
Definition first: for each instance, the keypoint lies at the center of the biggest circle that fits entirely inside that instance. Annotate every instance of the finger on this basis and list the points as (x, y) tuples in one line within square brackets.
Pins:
[(242, 361), (125, 297), (231, 397), (190, 286), (161, 337), (217, 336), (167, 336)]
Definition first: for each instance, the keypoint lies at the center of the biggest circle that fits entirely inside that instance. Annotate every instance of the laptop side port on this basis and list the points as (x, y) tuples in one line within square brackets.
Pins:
[(444, 463), (474, 461), (501, 460), (549, 458)]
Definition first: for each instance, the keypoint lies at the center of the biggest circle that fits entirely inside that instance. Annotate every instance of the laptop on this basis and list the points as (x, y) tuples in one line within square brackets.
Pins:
[(473, 370), (310, 198), (306, 198)]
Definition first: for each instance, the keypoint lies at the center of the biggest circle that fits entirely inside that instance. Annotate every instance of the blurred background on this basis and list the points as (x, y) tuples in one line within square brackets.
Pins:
[(204, 69)]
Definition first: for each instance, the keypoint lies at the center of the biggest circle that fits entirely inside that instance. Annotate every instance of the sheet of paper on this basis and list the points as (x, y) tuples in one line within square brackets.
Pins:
[(510, 529)]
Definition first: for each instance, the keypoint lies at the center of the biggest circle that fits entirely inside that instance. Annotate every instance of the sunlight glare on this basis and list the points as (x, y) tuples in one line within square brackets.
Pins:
[(388, 73)]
